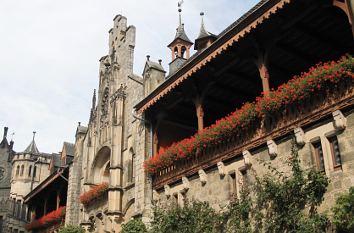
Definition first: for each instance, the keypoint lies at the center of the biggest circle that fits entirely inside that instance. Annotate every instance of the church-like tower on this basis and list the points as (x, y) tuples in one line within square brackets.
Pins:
[(180, 46)]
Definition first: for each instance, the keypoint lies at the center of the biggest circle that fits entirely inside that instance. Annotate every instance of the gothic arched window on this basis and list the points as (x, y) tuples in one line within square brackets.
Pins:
[(17, 170), (22, 169), (29, 171), (34, 171)]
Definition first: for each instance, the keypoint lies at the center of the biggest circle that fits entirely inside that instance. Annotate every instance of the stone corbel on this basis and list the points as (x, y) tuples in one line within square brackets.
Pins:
[(185, 184), (340, 122), (155, 196), (272, 148), (221, 168), (299, 136), (247, 158), (167, 190), (202, 176)]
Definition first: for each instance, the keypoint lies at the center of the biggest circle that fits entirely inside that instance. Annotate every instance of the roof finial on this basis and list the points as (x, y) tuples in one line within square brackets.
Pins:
[(180, 10), (34, 135), (12, 136), (5, 131)]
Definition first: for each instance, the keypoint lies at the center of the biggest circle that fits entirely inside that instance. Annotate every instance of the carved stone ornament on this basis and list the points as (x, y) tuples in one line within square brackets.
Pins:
[(299, 136), (340, 122), (202, 176), (167, 190), (155, 196), (247, 158), (185, 184), (272, 148), (221, 169)]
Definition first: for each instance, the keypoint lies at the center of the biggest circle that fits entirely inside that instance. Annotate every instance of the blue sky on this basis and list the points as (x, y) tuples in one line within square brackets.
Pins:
[(49, 52)]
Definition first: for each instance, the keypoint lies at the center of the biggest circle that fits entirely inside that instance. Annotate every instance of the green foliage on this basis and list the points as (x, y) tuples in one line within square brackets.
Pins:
[(197, 217), (276, 202), (134, 226), (343, 212), (71, 229)]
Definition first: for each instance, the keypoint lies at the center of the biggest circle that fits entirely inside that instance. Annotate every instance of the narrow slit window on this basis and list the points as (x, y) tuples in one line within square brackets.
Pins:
[(319, 156), (336, 156), (233, 184)]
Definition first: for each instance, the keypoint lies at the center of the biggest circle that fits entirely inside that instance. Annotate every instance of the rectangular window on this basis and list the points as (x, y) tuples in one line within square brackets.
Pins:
[(319, 156), (336, 157)]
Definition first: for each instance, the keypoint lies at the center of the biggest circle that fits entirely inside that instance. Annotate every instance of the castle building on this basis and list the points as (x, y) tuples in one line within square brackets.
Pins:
[(179, 124), (30, 168), (6, 155)]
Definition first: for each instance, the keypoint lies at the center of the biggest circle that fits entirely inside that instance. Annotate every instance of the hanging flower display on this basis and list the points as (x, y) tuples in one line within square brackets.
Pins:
[(95, 192), (319, 79), (47, 220)]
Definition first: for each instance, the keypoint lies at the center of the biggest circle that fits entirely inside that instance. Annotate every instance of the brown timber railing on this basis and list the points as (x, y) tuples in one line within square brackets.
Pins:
[(273, 126)]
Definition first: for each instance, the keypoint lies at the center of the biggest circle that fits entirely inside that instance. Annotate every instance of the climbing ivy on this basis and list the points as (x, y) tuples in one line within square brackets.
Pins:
[(134, 226), (343, 212), (275, 202), (71, 229)]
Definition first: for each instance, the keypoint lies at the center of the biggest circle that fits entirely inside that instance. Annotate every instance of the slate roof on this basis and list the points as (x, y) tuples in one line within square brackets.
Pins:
[(69, 148), (32, 148)]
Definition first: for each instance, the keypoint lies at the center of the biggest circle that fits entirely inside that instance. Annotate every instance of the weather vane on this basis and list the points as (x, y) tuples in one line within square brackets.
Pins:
[(180, 4)]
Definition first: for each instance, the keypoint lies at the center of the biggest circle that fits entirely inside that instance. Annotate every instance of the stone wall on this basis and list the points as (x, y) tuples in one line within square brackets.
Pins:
[(221, 182)]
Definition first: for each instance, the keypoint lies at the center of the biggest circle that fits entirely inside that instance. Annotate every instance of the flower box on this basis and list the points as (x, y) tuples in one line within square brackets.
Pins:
[(287, 101), (94, 193), (47, 220)]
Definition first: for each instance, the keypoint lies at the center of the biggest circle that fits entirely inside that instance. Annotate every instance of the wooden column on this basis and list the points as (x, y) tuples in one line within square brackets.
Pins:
[(264, 74), (155, 141), (45, 206), (58, 199), (200, 114)]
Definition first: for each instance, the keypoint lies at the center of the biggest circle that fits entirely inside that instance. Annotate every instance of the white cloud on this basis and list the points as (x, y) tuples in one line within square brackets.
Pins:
[(49, 54)]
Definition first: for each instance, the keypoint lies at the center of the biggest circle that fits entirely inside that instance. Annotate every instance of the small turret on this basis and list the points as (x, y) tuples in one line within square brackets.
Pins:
[(180, 46), (32, 147), (205, 38), (153, 75)]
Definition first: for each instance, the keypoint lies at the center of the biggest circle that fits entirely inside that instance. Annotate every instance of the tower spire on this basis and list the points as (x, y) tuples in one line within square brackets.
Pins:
[(32, 147), (181, 43), (205, 38)]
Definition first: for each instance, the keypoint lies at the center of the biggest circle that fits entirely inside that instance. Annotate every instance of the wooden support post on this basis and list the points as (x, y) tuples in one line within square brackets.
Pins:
[(200, 114), (155, 142), (45, 206), (58, 200), (264, 74)]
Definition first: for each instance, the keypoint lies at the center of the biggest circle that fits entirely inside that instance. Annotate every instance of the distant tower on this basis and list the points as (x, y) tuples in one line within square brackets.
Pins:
[(205, 38), (180, 46)]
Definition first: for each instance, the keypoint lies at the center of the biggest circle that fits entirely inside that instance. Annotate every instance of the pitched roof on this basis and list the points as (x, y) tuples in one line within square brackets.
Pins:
[(69, 148), (32, 148)]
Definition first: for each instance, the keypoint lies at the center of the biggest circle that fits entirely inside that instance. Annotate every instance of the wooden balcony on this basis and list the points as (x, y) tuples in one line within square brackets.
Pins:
[(272, 126)]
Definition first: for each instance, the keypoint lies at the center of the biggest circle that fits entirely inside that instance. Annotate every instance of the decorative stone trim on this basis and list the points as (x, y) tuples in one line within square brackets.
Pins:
[(202, 176), (221, 168), (247, 158), (272, 148), (340, 122), (167, 190), (185, 184), (299, 136)]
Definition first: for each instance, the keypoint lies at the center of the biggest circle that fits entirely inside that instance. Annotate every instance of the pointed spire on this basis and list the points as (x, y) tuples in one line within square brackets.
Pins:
[(203, 32), (32, 147), (4, 142), (94, 99), (180, 33), (205, 38)]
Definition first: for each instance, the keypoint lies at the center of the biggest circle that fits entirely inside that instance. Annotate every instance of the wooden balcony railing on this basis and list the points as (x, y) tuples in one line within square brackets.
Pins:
[(273, 126)]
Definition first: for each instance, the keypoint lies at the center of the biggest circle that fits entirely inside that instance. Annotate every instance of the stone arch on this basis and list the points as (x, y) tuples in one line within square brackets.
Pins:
[(183, 52), (128, 206), (100, 165)]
